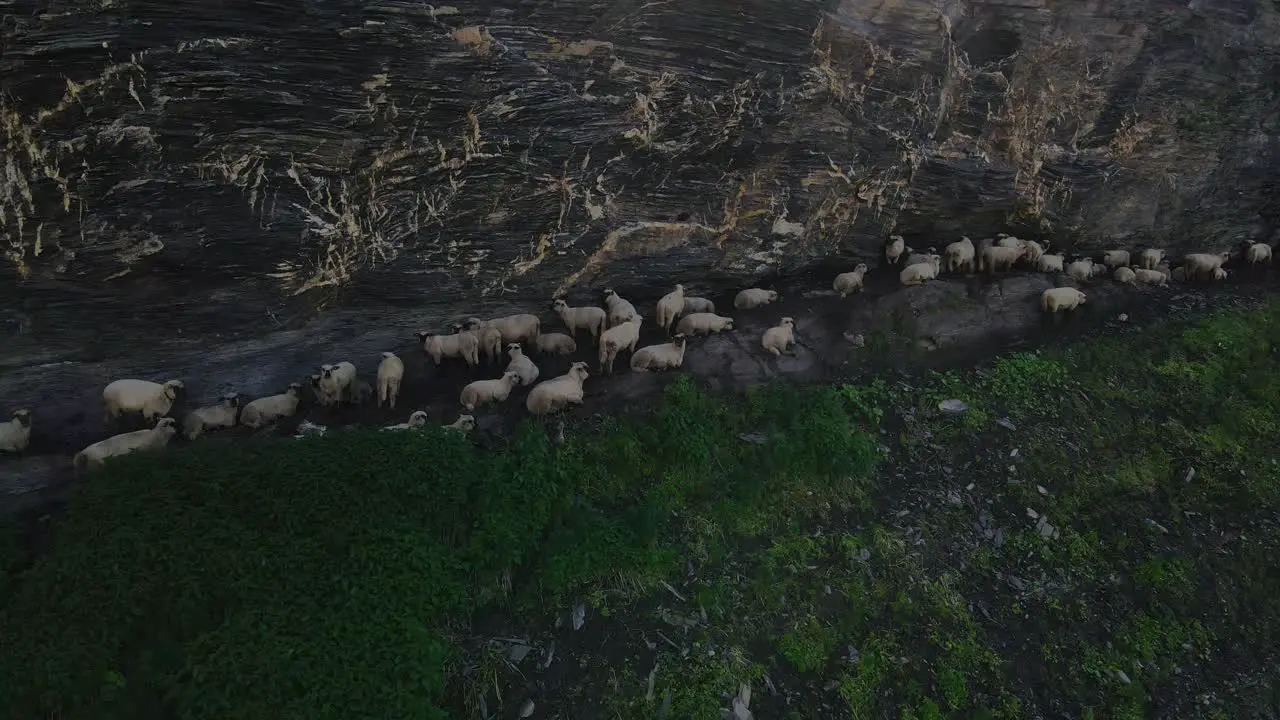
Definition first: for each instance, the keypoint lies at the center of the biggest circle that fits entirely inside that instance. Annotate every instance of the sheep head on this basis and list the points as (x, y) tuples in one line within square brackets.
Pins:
[(388, 355), (231, 400), (472, 323), (678, 288), (788, 322), (559, 305), (295, 388), (423, 335), (315, 381), (512, 377), (166, 423), (23, 417), (773, 295), (174, 385), (465, 422), (862, 267), (418, 418)]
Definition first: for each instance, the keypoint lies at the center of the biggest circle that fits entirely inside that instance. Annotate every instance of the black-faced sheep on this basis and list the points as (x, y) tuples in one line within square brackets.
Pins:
[(1150, 277), (959, 255), (1150, 258), (660, 357), (615, 338), (212, 417), (669, 307), (1050, 263), (1115, 258), (592, 319), (618, 308), (458, 345), (521, 365), (482, 392), (416, 420), (15, 435), (754, 298), (556, 344), (1124, 275), (1201, 266), (464, 424), (921, 272), (390, 375), (778, 340), (488, 339), (522, 328), (558, 393), (125, 443), (151, 399), (703, 324), (697, 305), (894, 249), (1258, 253), (1055, 300), (266, 410), (850, 282)]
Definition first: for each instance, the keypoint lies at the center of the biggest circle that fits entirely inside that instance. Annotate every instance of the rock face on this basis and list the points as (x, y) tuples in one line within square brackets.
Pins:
[(218, 172)]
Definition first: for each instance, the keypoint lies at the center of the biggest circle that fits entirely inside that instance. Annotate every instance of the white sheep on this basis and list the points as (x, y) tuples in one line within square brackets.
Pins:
[(521, 365), (1148, 259), (754, 298), (488, 339), (592, 319), (915, 258), (1051, 263), (139, 440), (669, 307), (778, 339), (416, 420), (521, 328), (660, 357), (1219, 274), (481, 392), (266, 410), (1150, 277), (337, 383), (212, 417), (390, 374), (1009, 241), (458, 345), (149, 398), (998, 258), (1124, 275), (1115, 258), (1259, 252), (558, 393), (1055, 300), (556, 344), (1201, 266), (1080, 270), (959, 255), (619, 309), (15, 435), (921, 272), (894, 249), (703, 324), (851, 281), (615, 338), (464, 424), (1034, 252), (697, 305)]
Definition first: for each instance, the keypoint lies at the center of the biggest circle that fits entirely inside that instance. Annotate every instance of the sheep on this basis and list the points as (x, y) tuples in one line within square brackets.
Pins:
[(151, 399), (464, 423), (619, 309), (416, 420), (1124, 275), (266, 410), (1219, 274), (915, 258), (1148, 259), (1050, 263), (139, 440), (306, 427), (697, 305), (703, 324), (959, 255), (669, 307), (754, 298), (1034, 252), (1258, 252), (1201, 266), (514, 328), (458, 345), (893, 250), (390, 373), (1080, 270), (921, 272), (488, 339), (212, 417), (592, 319), (997, 258), (558, 393), (1009, 241), (521, 365), (15, 435), (1055, 300), (1115, 258), (615, 338), (778, 339), (486, 391), (660, 357), (337, 383), (556, 344), (1150, 277), (851, 281)]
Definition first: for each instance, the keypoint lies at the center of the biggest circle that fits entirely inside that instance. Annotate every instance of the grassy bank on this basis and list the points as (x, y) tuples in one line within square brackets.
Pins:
[(1095, 536)]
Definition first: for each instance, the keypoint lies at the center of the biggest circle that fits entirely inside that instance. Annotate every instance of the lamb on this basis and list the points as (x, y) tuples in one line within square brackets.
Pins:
[(893, 250), (151, 399), (1080, 270), (1115, 258), (337, 383), (139, 440), (1258, 252), (703, 324), (619, 309), (960, 255), (390, 373), (1201, 266), (660, 357), (669, 307), (697, 305), (212, 417), (459, 345), (558, 393), (997, 258), (556, 344), (754, 298), (851, 281), (15, 435), (1051, 263), (1055, 300), (464, 423), (488, 339), (592, 319), (921, 272), (1150, 277), (514, 328), (1148, 259), (266, 410), (416, 420), (615, 338), (1124, 275), (778, 339), (521, 365), (486, 391)]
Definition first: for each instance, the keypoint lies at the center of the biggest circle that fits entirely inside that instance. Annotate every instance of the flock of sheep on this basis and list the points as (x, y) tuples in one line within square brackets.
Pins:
[(613, 328)]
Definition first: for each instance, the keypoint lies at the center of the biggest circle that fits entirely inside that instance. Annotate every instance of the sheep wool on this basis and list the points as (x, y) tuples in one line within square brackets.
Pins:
[(1051, 263), (697, 305), (615, 338), (212, 417), (139, 440), (921, 272), (558, 393), (1054, 300), (488, 339), (556, 344), (390, 374), (669, 307), (1258, 253), (1148, 259), (778, 340), (481, 392), (619, 309), (850, 282), (592, 319), (1124, 275), (459, 345), (522, 328), (660, 357), (703, 324), (15, 435), (1116, 258), (521, 365), (266, 410), (1150, 277), (959, 255), (894, 248), (151, 399), (754, 298)]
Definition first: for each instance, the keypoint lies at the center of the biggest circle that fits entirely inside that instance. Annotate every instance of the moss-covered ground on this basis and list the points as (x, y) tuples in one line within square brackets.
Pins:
[(1094, 537)]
